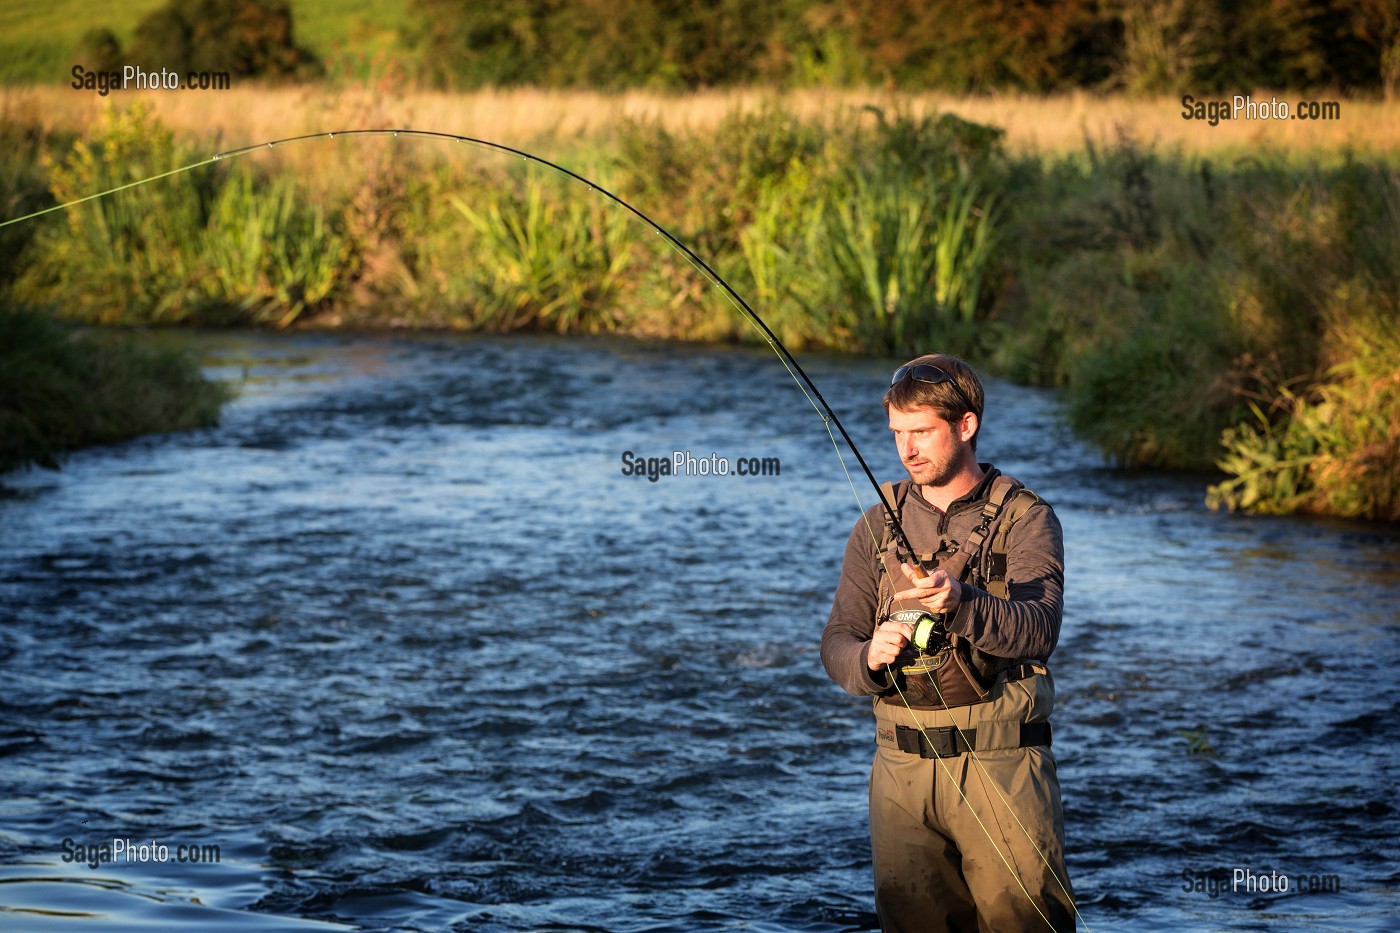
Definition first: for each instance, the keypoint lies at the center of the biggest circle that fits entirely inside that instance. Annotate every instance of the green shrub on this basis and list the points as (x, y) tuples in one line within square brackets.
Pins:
[(1164, 292), (22, 188), (62, 389), (1155, 398), (1335, 450), (121, 258), (704, 186)]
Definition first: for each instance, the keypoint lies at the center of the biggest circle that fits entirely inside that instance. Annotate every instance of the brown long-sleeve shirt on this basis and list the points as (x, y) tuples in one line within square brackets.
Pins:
[(1024, 625)]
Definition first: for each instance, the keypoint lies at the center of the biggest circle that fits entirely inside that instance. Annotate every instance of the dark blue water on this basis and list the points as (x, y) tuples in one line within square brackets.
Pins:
[(401, 640)]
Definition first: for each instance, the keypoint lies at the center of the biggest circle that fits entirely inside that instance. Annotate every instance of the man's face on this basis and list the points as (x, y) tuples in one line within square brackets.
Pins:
[(931, 449)]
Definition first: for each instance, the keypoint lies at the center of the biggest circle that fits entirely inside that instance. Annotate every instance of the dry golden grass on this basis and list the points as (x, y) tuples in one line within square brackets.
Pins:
[(1047, 125)]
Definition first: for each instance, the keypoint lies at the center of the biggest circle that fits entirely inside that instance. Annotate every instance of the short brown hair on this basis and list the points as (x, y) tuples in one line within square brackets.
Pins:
[(908, 394)]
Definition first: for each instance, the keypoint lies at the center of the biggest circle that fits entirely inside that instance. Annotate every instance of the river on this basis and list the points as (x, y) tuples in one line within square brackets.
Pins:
[(399, 646)]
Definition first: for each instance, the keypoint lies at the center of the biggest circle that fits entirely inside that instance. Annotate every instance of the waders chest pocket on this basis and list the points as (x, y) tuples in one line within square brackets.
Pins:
[(925, 663)]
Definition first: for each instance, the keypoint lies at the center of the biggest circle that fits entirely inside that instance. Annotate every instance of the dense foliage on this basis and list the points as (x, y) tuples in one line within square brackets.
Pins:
[(1196, 46), (212, 247), (61, 389)]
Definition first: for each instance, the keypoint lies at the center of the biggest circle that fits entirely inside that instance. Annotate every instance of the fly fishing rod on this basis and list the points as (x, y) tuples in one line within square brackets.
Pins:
[(810, 388)]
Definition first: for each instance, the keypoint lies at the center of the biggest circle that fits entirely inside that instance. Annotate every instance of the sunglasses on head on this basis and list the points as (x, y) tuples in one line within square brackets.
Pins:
[(927, 372)]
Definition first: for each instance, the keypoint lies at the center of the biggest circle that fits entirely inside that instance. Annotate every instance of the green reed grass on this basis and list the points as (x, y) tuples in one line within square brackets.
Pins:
[(269, 256), (880, 244), (547, 258), (212, 246), (897, 261)]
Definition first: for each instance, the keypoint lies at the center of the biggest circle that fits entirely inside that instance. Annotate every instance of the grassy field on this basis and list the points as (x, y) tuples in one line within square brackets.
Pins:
[(1055, 125), (39, 38)]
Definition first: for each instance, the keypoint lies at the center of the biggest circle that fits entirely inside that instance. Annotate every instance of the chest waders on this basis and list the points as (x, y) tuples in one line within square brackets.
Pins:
[(958, 864), (945, 669)]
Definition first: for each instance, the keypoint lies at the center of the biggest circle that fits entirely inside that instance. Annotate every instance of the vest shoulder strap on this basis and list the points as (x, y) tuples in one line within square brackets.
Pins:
[(1002, 487), (1019, 505)]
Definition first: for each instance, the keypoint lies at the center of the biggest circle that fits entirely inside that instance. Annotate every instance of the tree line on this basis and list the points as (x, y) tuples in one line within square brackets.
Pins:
[(1032, 46), (1037, 46)]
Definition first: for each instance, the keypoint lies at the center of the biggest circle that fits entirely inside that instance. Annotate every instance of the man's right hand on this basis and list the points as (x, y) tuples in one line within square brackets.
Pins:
[(888, 642)]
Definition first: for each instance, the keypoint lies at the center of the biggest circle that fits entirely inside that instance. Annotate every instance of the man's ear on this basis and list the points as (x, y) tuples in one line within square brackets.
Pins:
[(967, 426)]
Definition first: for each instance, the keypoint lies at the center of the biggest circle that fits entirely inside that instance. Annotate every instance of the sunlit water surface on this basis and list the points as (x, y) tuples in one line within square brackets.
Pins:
[(404, 643)]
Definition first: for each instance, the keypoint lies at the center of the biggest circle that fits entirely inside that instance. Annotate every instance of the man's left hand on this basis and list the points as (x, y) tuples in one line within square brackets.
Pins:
[(936, 592)]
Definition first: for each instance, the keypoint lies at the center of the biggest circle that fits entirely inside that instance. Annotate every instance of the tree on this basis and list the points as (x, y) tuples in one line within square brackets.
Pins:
[(247, 38)]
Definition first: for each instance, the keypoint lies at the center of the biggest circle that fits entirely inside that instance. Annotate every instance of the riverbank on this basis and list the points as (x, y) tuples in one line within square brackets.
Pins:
[(62, 389), (1198, 305)]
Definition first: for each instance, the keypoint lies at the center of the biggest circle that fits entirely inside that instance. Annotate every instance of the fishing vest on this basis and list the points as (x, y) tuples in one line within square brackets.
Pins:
[(952, 672)]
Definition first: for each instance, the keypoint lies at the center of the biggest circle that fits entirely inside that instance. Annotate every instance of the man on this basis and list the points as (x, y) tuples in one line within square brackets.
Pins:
[(966, 826)]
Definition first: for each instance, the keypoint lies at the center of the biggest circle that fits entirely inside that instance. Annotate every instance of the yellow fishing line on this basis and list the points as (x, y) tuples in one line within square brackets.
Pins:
[(103, 194)]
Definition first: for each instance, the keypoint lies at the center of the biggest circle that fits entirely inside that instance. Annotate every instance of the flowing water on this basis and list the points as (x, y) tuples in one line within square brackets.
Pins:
[(402, 641)]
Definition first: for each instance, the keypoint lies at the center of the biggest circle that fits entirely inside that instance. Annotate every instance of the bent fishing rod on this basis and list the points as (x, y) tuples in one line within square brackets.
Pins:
[(799, 375), (810, 389)]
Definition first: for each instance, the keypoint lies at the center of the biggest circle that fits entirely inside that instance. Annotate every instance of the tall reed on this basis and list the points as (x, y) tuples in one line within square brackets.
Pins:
[(212, 246), (546, 258), (268, 255), (883, 245)]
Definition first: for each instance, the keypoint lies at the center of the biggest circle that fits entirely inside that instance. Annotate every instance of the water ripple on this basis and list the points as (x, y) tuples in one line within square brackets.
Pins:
[(402, 640)]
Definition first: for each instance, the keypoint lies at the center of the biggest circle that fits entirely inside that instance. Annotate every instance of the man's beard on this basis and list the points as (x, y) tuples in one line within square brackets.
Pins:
[(935, 472)]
